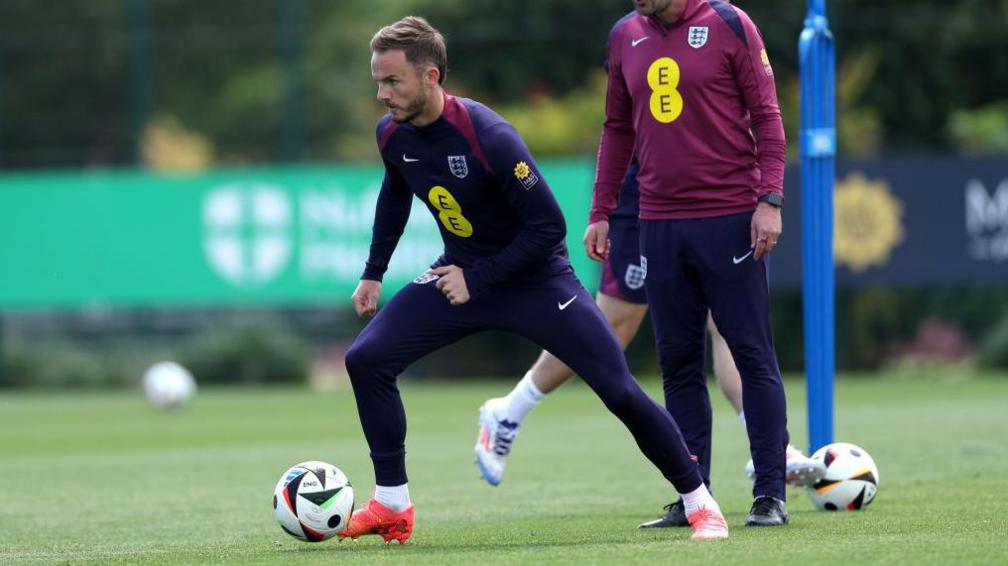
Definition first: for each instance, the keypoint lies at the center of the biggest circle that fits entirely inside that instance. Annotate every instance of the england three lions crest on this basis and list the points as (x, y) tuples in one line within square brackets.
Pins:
[(697, 36), (458, 166)]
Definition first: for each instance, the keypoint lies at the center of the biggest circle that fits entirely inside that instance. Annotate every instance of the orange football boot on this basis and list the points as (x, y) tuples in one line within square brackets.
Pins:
[(708, 524), (376, 519)]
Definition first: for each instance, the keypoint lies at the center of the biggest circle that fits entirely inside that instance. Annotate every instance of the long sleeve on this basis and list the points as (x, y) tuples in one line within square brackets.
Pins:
[(617, 142), (542, 222), (391, 214), (755, 78)]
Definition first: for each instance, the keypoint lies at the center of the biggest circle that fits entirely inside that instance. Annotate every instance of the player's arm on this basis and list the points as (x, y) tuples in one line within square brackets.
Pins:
[(391, 215), (614, 154), (617, 141), (543, 225), (754, 76)]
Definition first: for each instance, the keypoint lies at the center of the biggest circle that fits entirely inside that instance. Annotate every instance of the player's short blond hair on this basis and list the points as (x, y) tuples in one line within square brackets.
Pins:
[(420, 41)]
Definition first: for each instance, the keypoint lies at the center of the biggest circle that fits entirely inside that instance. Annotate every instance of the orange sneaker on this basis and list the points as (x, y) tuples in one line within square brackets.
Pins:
[(707, 524), (376, 519)]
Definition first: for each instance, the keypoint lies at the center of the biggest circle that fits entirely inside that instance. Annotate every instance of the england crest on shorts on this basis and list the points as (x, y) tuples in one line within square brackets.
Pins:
[(636, 274), (458, 166), (426, 277), (697, 36)]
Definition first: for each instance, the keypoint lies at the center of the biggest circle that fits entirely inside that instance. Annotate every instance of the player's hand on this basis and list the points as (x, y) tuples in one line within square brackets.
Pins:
[(765, 229), (452, 284), (365, 298), (596, 240)]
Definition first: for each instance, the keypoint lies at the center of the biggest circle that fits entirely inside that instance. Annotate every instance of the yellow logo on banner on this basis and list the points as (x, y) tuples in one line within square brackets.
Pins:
[(867, 222)]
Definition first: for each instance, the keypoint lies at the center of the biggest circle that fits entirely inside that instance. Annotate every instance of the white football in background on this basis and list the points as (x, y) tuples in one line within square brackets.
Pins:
[(167, 384)]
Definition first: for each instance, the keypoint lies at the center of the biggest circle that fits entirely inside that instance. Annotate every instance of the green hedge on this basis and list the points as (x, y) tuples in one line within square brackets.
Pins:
[(262, 354), (258, 354), (61, 364)]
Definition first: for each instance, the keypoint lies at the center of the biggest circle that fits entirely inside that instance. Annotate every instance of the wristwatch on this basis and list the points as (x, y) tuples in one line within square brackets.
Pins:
[(773, 199)]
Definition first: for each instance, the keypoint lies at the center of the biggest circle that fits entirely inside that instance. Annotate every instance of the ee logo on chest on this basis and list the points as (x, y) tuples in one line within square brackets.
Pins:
[(663, 78), (449, 212)]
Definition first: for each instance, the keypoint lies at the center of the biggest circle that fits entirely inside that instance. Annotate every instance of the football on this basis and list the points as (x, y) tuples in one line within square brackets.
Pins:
[(313, 501), (851, 480), (167, 385)]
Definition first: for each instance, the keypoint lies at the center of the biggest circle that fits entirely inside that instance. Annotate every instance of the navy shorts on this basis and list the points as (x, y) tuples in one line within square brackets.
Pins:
[(622, 275)]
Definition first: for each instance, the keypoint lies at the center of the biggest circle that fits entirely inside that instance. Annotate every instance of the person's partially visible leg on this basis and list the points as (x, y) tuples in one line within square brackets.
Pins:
[(677, 304), (678, 315), (548, 373), (739, 298), (625, 317), (731, 386), (621, 298), (501, 418), (725, 372), (581, 337), (417, 321), (801, 470)]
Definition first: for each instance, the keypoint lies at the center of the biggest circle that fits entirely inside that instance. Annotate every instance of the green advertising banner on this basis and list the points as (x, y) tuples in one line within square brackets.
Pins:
[(270, 236)]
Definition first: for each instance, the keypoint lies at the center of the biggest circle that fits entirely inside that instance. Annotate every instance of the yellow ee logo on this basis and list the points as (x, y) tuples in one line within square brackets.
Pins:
[(663, 78), (449, 212)]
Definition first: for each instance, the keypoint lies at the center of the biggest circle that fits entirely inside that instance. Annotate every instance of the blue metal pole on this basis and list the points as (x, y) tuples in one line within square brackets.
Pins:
[(818, 153)]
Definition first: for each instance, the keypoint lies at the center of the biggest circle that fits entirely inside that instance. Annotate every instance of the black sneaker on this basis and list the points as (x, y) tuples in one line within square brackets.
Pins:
[(767, 511), (675, 516)]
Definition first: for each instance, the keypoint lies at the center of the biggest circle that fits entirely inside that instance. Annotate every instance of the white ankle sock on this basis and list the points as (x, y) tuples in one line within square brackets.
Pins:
[(741, 417), (522, 399), (394, 497), (698, 498)]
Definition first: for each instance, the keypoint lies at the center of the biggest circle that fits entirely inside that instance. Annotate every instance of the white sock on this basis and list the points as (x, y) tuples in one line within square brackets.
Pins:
[(522, 399), (394, 497), (697, 499), (741, 417)]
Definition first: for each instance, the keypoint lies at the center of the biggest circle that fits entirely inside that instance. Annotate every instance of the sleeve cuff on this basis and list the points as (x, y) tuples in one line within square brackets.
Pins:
[(763, 191), (373, 273), (475, 282)]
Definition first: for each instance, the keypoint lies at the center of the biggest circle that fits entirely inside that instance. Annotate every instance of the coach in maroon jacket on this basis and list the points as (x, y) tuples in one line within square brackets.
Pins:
[(691, 90)]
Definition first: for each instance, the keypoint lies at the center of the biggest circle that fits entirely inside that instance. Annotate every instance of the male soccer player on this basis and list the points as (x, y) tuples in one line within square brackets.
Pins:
[(691, 95), (622, 300), (504, 266)]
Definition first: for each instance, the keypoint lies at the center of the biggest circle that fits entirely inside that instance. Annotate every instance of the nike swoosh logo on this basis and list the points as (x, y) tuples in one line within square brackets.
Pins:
[(636, 42), (562, 306), (739, 260), (408, 160)]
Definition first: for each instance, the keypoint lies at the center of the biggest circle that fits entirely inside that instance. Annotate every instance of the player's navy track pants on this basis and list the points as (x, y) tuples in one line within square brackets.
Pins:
[(557, 314), (693, 265)]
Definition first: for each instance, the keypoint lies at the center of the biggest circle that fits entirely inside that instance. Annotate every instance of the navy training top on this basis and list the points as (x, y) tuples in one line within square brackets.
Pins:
[(497, 216)]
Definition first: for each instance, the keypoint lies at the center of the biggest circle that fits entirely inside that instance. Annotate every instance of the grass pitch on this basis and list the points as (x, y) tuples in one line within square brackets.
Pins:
[(104, 479)]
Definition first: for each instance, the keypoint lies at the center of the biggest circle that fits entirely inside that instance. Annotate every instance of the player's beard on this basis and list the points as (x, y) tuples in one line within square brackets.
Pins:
[(413, 109), (653, 8)]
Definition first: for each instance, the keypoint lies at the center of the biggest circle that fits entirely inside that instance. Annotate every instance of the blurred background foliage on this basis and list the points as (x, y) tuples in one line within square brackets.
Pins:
[(269, 81), (185, 84)]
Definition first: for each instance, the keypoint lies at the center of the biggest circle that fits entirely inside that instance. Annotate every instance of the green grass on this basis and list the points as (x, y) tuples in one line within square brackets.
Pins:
[(102, 478)]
